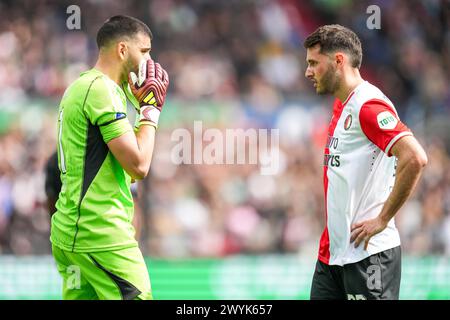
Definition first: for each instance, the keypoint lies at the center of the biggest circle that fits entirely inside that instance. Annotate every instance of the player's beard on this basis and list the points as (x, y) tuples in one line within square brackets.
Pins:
[(329, 83), (129, 66)]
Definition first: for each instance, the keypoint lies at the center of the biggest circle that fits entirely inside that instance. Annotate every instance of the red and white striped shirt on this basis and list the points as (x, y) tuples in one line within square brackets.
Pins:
[(359, 172)]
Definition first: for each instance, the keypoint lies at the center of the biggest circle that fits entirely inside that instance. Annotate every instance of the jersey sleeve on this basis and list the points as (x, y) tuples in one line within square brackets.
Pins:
[(105, 109), (381, 124)]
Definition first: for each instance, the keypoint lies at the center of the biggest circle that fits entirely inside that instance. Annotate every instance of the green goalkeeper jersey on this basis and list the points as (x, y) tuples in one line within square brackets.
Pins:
[(94, 210)]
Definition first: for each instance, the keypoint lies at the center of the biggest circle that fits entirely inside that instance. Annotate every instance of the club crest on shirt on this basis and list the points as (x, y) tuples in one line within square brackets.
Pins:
[(348, 122), (386, 120)]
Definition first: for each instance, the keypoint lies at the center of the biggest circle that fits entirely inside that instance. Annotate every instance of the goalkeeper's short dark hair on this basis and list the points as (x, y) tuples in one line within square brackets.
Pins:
[(335, 37), (118, 27)]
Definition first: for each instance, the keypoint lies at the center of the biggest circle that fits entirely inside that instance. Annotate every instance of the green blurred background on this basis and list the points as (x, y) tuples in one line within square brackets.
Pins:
[(232, 278)]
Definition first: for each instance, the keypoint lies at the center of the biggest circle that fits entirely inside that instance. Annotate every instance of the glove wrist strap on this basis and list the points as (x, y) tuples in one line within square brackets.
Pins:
[(149, 115)]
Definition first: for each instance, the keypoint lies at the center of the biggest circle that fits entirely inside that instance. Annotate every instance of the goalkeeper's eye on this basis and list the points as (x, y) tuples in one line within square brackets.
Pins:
[(146, 50)]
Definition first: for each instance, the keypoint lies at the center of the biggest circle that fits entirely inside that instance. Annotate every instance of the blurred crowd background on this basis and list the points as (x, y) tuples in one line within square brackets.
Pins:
[(232, 64)]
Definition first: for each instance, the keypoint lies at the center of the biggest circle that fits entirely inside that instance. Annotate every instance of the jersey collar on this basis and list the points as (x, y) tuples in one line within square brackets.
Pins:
[(352, 93)]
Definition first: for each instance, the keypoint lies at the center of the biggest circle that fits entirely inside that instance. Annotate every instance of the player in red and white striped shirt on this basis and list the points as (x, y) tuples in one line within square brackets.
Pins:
[(372, 163)]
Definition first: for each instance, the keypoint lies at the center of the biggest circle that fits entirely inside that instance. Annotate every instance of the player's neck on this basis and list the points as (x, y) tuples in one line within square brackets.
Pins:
[(109, 69), (348, 84)]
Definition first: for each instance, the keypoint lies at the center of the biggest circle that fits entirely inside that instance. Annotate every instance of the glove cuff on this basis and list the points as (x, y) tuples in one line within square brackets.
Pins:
[(149, 115)]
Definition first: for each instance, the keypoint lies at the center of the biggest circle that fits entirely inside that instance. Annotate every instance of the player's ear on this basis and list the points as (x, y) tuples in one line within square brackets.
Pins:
[(339, 59), (122, 50)]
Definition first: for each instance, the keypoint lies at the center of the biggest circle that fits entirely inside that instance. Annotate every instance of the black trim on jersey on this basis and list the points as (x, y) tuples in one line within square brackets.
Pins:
[(84, 164), (120, 115), (127, 290), (96, 152)]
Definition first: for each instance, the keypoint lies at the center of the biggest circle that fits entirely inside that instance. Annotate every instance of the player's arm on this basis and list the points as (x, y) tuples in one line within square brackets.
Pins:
[(134, 151), (394, 138), (411, 160), (52, 182)]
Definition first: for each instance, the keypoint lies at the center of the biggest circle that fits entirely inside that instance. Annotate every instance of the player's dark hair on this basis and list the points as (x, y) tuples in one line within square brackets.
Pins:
[(335, 37), (118, 27)]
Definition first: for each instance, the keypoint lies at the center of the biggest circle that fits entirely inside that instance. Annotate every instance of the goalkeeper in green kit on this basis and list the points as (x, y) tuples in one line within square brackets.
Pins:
[(99, 155)]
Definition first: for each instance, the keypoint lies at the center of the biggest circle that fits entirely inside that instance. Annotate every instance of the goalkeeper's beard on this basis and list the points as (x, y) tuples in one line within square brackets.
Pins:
[(128, 66)]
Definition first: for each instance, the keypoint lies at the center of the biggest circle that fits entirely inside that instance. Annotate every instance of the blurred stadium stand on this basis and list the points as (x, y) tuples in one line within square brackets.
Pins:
[(233, 64)]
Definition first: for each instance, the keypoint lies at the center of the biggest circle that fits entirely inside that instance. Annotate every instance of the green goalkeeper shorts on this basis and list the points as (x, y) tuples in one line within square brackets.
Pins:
[(112, 275)]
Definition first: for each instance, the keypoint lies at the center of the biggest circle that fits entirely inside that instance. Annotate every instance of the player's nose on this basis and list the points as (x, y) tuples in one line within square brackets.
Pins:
[(308, 73)]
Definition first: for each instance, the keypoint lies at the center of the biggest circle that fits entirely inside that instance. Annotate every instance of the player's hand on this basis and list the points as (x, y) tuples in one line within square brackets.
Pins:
[(150, 89), (150, 86), (364, 230)]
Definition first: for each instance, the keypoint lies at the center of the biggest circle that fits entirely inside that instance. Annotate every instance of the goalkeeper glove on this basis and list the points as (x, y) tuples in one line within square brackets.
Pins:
[(150, 89)]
